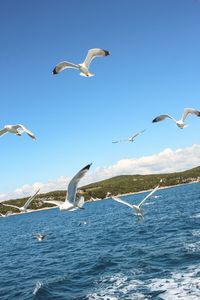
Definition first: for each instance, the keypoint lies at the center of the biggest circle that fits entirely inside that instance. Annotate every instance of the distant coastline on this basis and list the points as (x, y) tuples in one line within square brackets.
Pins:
[(160, 188), (96, 200)]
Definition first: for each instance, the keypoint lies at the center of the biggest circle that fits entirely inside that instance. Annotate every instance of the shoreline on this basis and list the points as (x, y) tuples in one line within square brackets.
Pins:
[(160, 188), (120, 195)]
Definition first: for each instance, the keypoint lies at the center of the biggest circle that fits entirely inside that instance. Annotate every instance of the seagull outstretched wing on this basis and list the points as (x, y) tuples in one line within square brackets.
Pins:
[(9, 205), (132, 138), (25, 130), (149, 195), (189, 111), (57, 203), (92, 53), (162, 117), (72, 187), (121, 201), (62, 66), (3, 131), (31, 199)]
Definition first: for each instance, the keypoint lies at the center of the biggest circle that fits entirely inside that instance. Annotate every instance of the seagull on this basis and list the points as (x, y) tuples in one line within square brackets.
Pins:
[(84, 67), (40, 237), (137, 209), (25, 206), (131, 138), (17, 129), (180, 123), (71, 202)]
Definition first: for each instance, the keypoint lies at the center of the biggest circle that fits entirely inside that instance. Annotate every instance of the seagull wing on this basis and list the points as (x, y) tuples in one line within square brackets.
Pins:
[(121, 201), (92, 53), (62, 66), (162, 117), (9, 205), (57, 203), (189, 111), (80, 202), (3, 131), (31, 199), (120, 141), (25, 130), (135, 135), (149, 195), (72, 187)]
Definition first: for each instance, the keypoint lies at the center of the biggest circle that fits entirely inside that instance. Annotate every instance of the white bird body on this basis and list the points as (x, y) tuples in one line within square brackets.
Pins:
[(83, 67), (84, 71), (72, 203), (17, 129), (25, 206), (137, 208), (180, 123)]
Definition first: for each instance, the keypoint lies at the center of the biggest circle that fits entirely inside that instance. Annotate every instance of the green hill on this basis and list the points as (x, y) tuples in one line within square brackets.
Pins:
[(117, 185)]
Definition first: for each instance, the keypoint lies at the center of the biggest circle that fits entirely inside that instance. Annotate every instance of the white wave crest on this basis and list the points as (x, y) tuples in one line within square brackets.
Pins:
[(117, 287), (193, 247), (183, 285), (179, 285)]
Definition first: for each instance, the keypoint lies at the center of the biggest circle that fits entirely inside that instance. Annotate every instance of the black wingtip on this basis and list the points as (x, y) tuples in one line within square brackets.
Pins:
[(87, 167), (198, 113), (54, 72), (106, 52), (155, 120)]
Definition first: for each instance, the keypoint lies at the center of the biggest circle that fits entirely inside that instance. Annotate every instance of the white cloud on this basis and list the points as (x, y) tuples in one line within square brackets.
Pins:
[(165, 161)]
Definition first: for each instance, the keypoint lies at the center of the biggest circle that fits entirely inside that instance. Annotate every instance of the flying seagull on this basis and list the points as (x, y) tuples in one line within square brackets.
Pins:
[(25, 206), (131, 138), (180, 123), (40, 237), (137, 209), (17, 129), (84, 67), (71, 202)]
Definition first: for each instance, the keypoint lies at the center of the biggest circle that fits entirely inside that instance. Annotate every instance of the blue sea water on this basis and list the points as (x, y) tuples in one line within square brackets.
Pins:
[(114, 256)]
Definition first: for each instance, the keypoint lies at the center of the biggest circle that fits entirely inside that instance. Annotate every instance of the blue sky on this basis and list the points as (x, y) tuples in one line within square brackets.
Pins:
[(154, 68)]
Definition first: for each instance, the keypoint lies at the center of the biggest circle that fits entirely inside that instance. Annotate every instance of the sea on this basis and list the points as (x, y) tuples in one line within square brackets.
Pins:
[(105, 252)]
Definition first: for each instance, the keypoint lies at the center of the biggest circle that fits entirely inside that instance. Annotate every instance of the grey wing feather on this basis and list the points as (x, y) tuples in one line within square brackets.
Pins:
[(92, 53), (190, 111), (80, 202), (72, 187), (149, 195), (161, 118), (3, 131), (9, 205), (31, 199), (57, 203), (62, 66), (120, 141), (26, 130), (121, 201), (135, 135)]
